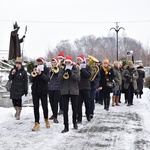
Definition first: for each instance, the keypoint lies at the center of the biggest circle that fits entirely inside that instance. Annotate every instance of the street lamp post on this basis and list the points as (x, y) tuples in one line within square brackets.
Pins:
[(117, 29)]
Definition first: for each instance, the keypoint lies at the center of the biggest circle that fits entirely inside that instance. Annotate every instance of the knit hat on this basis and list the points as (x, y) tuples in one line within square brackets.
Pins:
[(40, 59), (61, 55), (129, 63), (55, 59), (19, 60), (81, 57), (69, 58)]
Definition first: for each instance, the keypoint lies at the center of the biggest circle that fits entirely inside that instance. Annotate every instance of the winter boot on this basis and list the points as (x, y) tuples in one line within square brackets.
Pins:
[(113, 100), (36, 127), (56, 120), (18, 112), (51, 118), (117, 100), (66, 129), (47, 123), (75, 126)]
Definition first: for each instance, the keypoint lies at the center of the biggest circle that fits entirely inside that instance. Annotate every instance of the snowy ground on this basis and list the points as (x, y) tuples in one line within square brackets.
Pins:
[(121, 128)]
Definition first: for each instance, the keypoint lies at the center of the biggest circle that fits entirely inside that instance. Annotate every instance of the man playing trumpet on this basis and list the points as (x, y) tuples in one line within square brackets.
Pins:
[(69, 77), (39, 91)]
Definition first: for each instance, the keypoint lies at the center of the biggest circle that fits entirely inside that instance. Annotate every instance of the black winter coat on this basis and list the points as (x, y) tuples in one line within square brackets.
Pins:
[(140, 80), (103, 81), (40, 82), (85, 74), (19, 83)]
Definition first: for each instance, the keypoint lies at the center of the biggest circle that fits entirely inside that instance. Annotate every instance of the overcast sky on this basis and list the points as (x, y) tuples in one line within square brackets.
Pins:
[(50, 21)]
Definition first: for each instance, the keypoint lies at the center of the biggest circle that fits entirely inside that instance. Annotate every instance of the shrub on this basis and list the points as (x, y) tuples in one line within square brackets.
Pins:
[(30, 66), (147, 82)]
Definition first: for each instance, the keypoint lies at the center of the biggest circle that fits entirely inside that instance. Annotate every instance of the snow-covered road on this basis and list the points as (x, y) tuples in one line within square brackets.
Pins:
[(121, 128)]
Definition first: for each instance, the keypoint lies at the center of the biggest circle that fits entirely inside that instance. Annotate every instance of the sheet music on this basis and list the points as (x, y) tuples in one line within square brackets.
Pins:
[(68, 67), (83, 65), (40, 67)]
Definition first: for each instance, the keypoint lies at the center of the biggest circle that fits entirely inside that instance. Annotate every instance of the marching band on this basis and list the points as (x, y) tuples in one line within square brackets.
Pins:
[(80, 82)]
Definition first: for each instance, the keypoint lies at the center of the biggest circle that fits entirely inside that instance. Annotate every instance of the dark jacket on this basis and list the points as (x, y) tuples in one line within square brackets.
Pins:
[(19, 85), (130, 76), (103, 81), (40, 83), (69, 86), (85, 74), (54, 83), (140, 80)]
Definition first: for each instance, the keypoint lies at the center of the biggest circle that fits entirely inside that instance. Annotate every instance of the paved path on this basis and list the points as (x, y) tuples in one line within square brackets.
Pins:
[(120, 128)]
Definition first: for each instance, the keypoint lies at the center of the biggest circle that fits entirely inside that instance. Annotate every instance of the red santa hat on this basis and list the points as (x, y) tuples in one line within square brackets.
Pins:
[(69, 58), (61, 55), (81, 57), (55, 59), (41, 59)]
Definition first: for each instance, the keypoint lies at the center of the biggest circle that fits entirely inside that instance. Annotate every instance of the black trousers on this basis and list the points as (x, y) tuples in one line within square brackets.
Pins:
[(54, 97), (130, 93), (61, 107), (106, 97), (74, 99), (36, 100), (17, 102), (84, 96)]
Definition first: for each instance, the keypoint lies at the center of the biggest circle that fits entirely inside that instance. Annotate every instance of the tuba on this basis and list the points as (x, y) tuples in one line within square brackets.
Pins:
[(94, 68)]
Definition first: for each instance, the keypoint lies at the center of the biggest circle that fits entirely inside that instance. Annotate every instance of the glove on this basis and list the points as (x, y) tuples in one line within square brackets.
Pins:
[(23, 36), (25, 93)]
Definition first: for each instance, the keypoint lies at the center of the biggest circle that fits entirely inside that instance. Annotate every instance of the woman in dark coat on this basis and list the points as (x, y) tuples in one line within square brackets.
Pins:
[(140, 80), (19, 86), (107, 75), (130, 75)]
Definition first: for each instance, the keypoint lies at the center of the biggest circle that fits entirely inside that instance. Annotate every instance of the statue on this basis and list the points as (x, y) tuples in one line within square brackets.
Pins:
[(14, 47)]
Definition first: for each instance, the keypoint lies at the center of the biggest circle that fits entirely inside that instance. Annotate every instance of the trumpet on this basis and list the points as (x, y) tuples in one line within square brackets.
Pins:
[(66, 75), (55, 69), (34, 72)]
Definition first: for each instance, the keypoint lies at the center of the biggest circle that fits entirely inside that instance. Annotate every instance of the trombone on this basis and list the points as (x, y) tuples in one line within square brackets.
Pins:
[(54, 70)]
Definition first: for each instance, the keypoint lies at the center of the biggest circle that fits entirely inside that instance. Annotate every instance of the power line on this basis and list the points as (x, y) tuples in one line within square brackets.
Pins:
[(76, 22)]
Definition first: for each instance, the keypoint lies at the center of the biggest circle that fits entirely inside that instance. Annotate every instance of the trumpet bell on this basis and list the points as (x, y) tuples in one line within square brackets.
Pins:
[(66, 75), (33, 74), (92, 60), (55, 69)]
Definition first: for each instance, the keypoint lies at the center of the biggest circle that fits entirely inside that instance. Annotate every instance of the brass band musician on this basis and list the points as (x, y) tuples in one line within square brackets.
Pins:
[(69, 77), (54, 87), (84, 88), (40, 78)]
